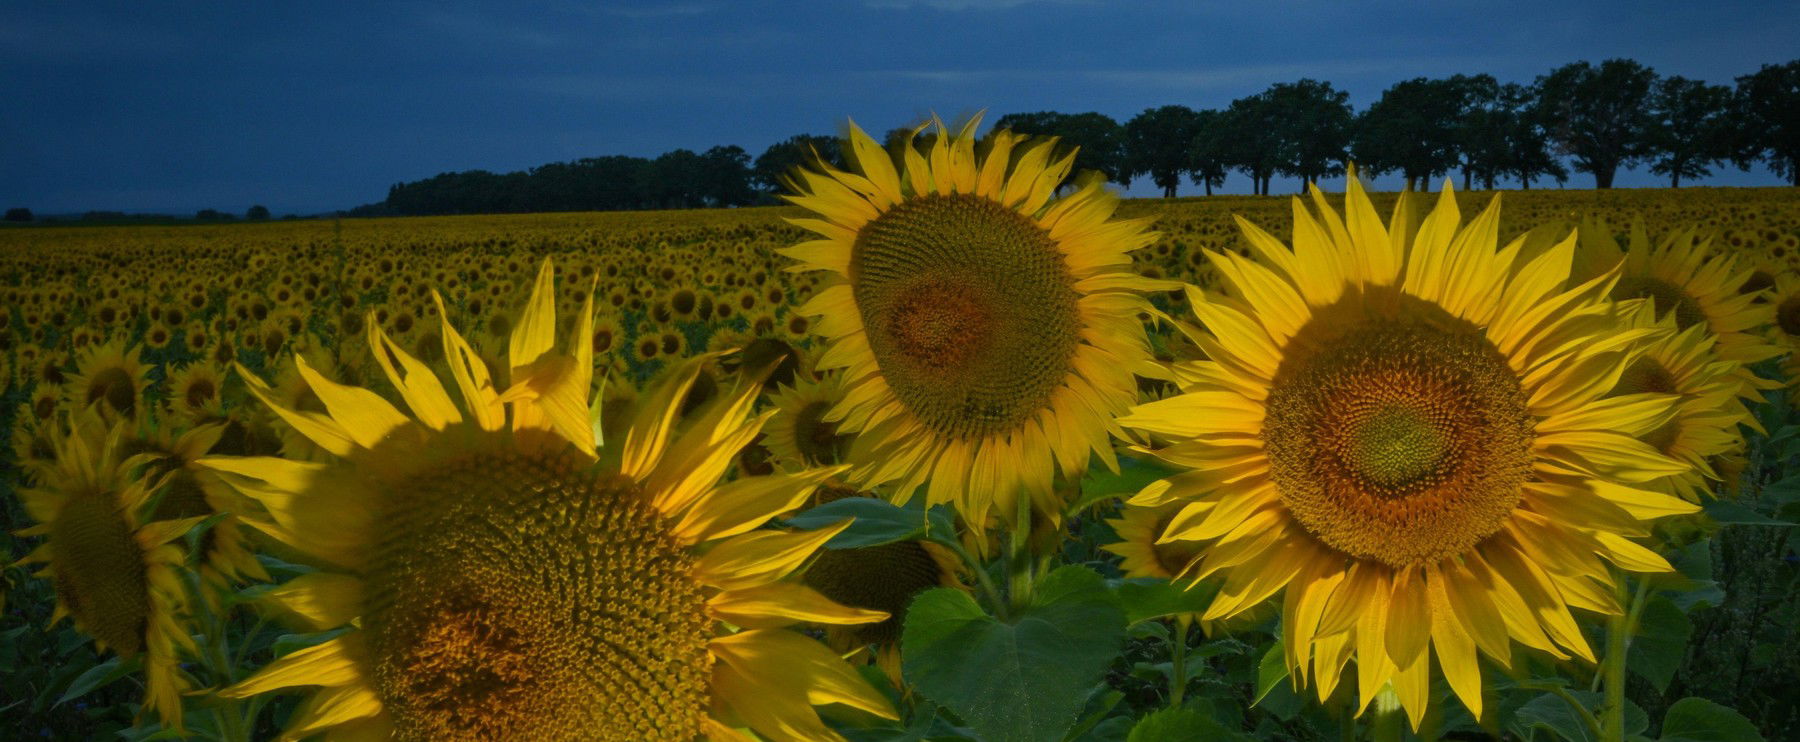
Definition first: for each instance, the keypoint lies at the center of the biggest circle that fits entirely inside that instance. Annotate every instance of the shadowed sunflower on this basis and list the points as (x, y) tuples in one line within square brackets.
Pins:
[(799, 435), (115, 571), (1682, 362), (506, 576), (986, 331), (112, 376), (1682, 281), (1407, 428), (1785, 329)]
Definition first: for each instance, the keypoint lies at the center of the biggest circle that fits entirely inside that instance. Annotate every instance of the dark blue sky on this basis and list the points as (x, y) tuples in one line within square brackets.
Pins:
[(179, 106)]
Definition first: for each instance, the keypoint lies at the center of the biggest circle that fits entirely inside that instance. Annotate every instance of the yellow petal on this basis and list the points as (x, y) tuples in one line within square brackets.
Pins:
[(417, 385), (324, 600), (330, 707), (746, 503), (778, 604), (365, 416), (823, 676), (761, 557), (331, 664)]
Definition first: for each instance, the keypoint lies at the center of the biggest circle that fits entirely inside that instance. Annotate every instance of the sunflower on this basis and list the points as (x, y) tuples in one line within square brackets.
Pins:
[(112, 376), (798, 435), (1682, 362), (190, 490), (1408, 429), (1785, 329), (1140, 531), (195, 392), (115, 570), (503, 575), (883, 578), (1681, 280), (985, 330)]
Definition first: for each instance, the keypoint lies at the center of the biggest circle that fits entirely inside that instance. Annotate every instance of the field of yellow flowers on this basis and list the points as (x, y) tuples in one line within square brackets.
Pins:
[(938, 452)]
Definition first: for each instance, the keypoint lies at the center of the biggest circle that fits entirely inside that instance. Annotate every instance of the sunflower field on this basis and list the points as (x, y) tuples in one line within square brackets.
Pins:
[(954, 447)]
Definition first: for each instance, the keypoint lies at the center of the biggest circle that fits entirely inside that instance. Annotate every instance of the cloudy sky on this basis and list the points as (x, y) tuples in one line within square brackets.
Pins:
[(314, 106)]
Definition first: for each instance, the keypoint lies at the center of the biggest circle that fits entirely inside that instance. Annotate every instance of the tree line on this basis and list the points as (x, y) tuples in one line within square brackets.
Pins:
[(1579, 117)]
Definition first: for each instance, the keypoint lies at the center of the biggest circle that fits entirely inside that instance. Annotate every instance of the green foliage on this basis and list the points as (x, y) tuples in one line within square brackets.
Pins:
[(1022, 679), (1700, 720)]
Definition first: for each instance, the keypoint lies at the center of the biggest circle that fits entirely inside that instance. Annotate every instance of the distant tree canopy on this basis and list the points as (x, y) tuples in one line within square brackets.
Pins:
[(257, 213), (1768, 128), (18, 214), (1595, 118)]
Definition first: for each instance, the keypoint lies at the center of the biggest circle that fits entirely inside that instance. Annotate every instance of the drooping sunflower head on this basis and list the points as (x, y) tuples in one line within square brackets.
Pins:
[(508, 575), (1407, 427), (196, 392), (114, 567), (981, 324)]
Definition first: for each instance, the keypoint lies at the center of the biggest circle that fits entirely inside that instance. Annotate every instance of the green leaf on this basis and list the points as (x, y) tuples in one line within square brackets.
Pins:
[(1552, 714), (1174, 724), (1661, 642), (1145, 598), (97, 677), (1134, 474), (1271, 670), (1695, 719), (1725, 512), (877, 522), (1022, 681)]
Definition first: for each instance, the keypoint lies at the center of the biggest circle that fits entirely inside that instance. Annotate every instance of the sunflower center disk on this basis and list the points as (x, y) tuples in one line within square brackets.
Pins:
[(1666, 297), (1400, 436), (100, 571), (880, 578), (520, 597), (970, 312), (1787, 316)]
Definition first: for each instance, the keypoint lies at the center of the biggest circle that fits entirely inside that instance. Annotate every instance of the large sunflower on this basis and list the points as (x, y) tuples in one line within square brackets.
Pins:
[(116, 571), (1408, 429), (505, 576), (986, 331)]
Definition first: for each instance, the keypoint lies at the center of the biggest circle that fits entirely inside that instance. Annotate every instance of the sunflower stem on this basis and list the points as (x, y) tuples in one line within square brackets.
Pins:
[(988, 589), (1618, 642), (1019, 587), (1389, 722), (1178, 651)]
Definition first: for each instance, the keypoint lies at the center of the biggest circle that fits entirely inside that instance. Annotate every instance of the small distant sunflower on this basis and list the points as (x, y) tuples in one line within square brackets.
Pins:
[(799, 435), (1405, 426), (115, 571), (985, 330), (504, 576), (1140, 531), (196, 392), (111, 376)]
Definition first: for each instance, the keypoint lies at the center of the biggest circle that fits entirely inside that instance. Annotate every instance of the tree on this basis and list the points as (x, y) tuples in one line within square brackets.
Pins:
[(1769, 102), (1210, 152), (1253, 139), (257, 213), (18, 214), (1156, 144), (725, 176), (1688, 131), (1411, 129), (1527, 146), (1599, 116), (796, 151), (1312, 126), (1483, 127), (211, 215), (1098, 140)]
